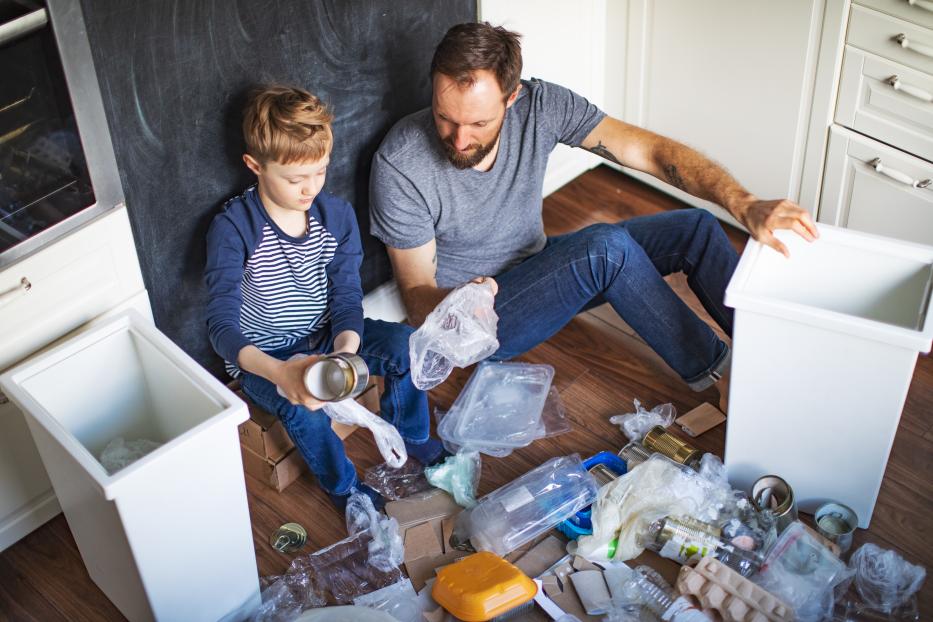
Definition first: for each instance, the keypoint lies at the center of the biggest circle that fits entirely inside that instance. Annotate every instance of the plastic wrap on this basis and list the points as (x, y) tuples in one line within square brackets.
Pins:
[(460, 331), (398, 483), (516, 513), (398, 600), (884, 579), (459, 475), (803, 573), (635, 425), (659, 487), (349, 613), (120, 453), (388, 440)]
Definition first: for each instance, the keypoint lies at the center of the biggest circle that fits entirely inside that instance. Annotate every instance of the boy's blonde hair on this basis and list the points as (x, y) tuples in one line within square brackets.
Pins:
[(286, 125)]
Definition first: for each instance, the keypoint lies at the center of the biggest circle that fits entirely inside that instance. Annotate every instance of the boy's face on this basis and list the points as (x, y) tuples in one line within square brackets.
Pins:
[(289, 186)]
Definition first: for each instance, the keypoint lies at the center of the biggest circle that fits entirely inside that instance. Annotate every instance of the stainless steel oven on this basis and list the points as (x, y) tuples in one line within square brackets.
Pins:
[(57, 167)]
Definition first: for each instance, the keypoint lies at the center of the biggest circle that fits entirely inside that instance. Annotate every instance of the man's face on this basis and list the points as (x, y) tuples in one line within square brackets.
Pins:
[(290, 186), (469, 118)]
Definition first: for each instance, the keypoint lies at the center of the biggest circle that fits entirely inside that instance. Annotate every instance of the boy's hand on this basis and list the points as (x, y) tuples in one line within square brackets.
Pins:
[(291, 380)]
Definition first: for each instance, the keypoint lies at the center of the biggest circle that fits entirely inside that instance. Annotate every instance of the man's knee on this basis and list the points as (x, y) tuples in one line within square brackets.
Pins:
[(606, 240)]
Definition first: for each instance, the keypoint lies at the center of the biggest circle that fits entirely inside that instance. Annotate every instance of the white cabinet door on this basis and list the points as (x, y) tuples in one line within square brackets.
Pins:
[(562, 46), (733, 80), (871, 187)]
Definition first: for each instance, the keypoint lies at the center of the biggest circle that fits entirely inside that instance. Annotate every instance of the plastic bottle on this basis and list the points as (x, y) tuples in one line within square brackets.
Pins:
[(687, 540), (658, 597)]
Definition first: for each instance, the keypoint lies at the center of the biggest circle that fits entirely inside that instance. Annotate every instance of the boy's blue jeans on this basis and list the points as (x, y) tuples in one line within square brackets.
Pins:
[(624, 264), (385, 349)]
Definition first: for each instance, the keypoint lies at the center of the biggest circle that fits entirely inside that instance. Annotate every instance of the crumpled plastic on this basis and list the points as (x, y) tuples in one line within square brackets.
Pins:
[(399, 600), (365, 561), (803, 573), (659, 487), (635, 425), (120, 453), (460, 331), (884, 579), (388, 440), (459, 475), (397, 483)]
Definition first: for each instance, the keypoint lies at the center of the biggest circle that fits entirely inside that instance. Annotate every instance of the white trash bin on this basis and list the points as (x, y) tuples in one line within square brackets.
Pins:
[(167, 537), (824, 348)]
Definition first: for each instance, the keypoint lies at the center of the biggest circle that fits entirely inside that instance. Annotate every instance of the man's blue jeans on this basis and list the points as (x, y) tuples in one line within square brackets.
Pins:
[(624, 264), (385, 349)]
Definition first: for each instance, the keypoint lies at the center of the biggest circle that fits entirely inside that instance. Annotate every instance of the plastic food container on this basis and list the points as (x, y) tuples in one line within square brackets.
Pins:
[(481, 587)]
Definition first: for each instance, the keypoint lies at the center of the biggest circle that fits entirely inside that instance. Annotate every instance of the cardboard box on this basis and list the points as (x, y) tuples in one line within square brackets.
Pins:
[(263, 434), (277, 474)]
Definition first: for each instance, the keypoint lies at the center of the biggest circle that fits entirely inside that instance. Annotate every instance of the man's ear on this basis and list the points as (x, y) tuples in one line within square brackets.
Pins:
[(252, 163), (513, 96)]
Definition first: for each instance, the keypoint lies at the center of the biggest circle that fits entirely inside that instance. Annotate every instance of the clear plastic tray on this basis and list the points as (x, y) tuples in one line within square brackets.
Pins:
[(500, 407)]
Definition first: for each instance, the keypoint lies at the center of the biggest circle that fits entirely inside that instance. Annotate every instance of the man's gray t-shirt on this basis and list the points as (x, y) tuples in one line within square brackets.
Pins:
[(483, 222)]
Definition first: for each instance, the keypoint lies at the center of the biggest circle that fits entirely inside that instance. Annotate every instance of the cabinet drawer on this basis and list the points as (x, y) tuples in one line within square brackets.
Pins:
[(887, 101), (857, 196), (72, 281), (918, 12), (878, 33)]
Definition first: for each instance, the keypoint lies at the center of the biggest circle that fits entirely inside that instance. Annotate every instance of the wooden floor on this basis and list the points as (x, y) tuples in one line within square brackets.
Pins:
[(601, 367)]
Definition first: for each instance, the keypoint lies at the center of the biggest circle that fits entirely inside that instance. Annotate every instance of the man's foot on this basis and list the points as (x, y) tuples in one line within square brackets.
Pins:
[(340, 501), (427, 453)]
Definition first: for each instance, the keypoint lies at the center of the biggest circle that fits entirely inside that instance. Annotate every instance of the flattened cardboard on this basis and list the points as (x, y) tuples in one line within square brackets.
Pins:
[(279, 474), (422, 507), (701, 419), (422, 541), (542, 556)]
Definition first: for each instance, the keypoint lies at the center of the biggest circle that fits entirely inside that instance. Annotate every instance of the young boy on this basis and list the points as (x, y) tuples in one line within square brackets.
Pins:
[(283, 278)]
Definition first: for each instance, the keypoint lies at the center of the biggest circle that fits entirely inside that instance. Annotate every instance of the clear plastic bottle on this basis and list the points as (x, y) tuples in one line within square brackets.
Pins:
[(687, 540), (659, 598)]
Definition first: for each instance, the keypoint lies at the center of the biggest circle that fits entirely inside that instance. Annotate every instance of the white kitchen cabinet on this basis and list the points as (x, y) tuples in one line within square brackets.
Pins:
[(90, 272)]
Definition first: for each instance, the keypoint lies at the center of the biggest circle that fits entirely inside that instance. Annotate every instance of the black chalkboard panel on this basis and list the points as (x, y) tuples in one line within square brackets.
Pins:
[(174, 76)]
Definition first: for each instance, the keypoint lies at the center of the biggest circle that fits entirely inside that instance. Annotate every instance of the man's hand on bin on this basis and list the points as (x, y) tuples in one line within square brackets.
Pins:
[(762, 218)]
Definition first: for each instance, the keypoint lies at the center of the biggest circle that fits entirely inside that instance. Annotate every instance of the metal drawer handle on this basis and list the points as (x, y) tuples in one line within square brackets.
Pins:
[(913, 91), (921, 4), (905, 43), (15, 292), (896, 175)]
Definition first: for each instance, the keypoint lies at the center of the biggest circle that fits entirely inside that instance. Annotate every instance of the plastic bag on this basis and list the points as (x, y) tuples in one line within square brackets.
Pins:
[(399, 600), (460, 331), (395, 484), (635, 425), (459, 475), (803, 573), (120, 453), (386, 550), (884, 579), (659, 487), (388, 440)]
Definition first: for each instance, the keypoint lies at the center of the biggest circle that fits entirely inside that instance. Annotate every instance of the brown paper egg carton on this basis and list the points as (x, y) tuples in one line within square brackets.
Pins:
[(719, 588)]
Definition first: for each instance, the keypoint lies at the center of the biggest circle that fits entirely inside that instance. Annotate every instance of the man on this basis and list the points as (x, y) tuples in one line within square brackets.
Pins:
[(456, 195)]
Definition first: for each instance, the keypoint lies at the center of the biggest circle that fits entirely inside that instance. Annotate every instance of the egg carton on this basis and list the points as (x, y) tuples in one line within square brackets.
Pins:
[(719, 588)]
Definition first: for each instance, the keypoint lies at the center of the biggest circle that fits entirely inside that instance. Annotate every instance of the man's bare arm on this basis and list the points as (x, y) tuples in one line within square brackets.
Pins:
[(415, 272), (692, 172)]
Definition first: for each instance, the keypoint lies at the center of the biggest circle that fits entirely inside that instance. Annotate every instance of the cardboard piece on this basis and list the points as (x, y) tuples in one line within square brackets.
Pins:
[(263, 433), (701, 419), (542, 556), (581, 563), (422, 507), (592, 590), (425, 522), (279, 474)]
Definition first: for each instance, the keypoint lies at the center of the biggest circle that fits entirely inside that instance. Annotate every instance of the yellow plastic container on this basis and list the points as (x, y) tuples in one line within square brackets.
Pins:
[(482, 586)]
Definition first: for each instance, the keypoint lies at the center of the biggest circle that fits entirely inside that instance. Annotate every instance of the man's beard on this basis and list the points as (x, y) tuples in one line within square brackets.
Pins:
[(471, 158)]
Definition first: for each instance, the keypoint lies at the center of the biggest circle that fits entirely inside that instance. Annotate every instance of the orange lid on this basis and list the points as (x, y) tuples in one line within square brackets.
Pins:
[(482, 586)]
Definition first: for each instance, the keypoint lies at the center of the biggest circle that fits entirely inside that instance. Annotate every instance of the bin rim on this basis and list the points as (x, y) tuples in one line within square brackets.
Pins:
[(232, 412), (917, 339)]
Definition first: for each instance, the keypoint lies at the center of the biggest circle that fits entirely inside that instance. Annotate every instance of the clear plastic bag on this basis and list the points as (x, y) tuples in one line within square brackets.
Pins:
[(528, 506), (460, 331), (803, 573), (388, 440), (459, 475), (120, 453), (635, 425), (884, 579), (659, 487), (399, 600), (395, 484)]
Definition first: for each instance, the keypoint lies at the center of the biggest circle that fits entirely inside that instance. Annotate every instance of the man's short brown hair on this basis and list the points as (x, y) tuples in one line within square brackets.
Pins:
[(473, 46), (287, 125)]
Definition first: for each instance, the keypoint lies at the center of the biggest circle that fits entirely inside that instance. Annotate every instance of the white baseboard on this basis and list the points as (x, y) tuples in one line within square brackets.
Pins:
[(28, 518)]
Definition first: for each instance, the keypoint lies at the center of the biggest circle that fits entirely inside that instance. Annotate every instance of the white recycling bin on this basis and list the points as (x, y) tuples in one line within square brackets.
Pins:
[(167, 537), (824, 349)]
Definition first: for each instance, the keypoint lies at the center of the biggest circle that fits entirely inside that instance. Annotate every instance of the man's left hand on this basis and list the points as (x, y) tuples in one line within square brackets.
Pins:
[(762, 218)]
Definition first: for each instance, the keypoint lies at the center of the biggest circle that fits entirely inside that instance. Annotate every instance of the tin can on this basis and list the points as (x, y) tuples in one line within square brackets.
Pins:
[(836, 522), (288, 538), (660, 440), (771, 492), (336, 377), (634, 454)]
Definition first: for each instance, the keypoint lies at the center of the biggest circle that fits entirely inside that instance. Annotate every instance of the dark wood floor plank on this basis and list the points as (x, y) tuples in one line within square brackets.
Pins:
[(22, 601)]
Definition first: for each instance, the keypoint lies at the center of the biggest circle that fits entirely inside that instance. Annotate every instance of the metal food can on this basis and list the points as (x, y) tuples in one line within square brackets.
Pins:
[(288, 538), (836, 522), (771, 492), (336, 377), (660, 440)]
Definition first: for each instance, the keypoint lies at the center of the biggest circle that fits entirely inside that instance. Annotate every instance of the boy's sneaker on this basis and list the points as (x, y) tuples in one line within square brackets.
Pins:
[(427, 453), (340, 501)]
